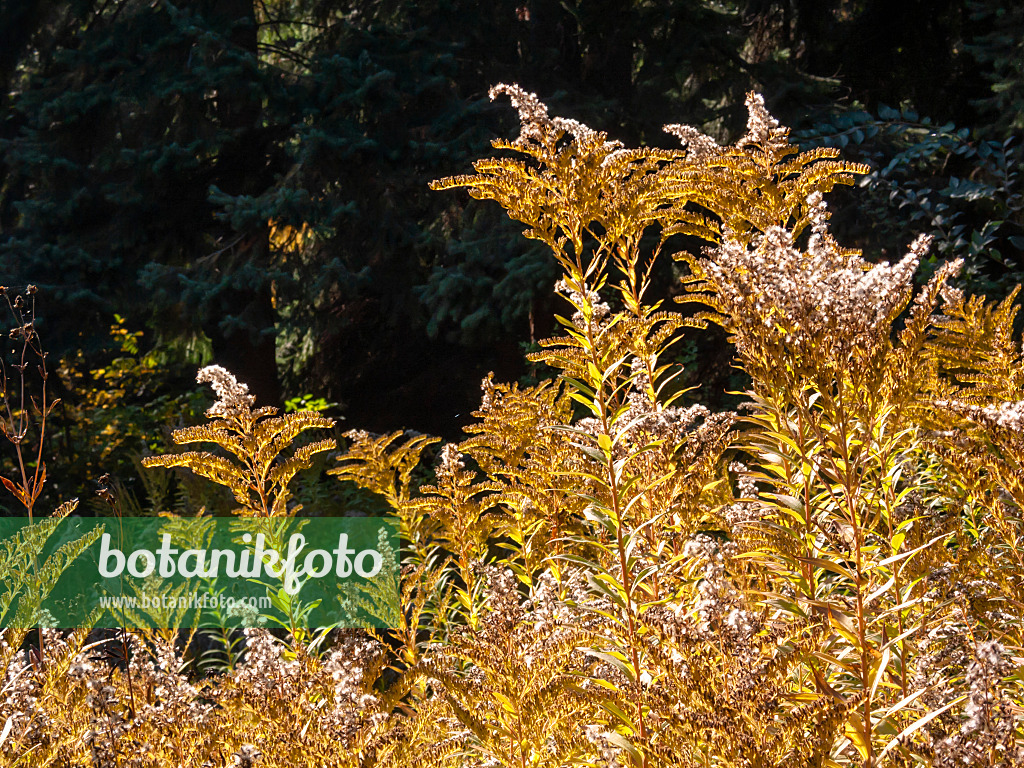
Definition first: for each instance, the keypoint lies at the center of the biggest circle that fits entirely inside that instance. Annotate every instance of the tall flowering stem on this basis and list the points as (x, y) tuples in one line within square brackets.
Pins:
[(837, 427), (257, 473), (18, 403)]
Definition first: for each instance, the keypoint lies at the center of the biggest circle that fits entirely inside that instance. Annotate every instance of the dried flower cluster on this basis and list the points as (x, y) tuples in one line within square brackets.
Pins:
[(1009, 416), (821, 298), (537, 126), (233, 398)]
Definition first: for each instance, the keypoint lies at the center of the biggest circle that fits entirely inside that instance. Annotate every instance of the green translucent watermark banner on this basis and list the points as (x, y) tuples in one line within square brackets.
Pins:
[(203, 572)]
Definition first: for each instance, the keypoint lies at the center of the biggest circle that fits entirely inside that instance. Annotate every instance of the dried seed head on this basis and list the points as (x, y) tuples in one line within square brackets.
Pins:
[(233, 396)]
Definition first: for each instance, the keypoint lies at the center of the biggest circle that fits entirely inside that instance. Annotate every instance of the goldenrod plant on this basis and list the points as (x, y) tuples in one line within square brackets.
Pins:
[(257, 474), (602, 575)]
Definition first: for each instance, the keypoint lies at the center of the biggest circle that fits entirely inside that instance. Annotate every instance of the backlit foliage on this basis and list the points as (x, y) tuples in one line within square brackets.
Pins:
[(258, 475), (601, 575)]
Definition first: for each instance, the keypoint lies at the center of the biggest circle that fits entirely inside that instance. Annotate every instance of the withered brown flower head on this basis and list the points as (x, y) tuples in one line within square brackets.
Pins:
[(533, 114), (233, 396), (824, 297)]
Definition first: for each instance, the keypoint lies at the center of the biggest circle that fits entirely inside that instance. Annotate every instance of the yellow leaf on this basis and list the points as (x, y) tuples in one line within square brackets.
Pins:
[(842, 623), (506, 704), (857, 734)]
